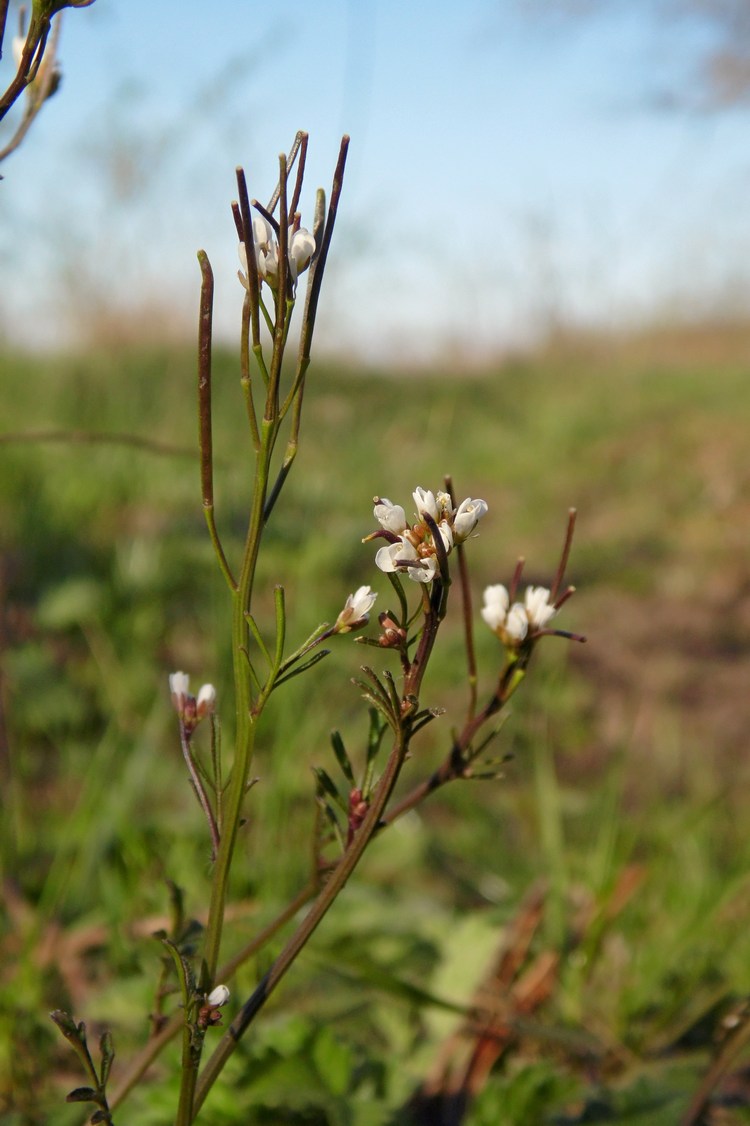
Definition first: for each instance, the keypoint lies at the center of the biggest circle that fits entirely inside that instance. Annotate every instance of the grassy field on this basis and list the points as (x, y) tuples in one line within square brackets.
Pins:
[(613, 857)]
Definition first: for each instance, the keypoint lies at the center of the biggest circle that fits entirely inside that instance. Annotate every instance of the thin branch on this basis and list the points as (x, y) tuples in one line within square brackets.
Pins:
[(200, 790)]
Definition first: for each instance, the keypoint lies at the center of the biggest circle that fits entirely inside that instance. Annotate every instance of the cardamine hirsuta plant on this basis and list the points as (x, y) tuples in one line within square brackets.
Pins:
[(422, 550)]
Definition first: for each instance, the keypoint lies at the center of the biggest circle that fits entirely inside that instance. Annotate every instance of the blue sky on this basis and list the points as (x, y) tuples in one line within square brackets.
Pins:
[(509, 169)]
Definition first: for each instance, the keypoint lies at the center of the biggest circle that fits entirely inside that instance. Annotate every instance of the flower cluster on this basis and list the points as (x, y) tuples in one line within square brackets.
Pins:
[(300, 249), (513, 624), (189, 708), (412, 548)]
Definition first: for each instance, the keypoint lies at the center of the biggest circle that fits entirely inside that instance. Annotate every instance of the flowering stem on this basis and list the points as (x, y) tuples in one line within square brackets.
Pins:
[(245, 713), (251, 694), (339, 876)]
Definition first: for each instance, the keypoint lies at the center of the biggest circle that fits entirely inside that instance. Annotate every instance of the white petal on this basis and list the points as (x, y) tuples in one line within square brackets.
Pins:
[(262, 232), (495, 609), (426, 572), (537, 606), (206, 698), (425, 502), (390, 516), (386, 557), (301, 250), (517, 624), (396, 555), (446, 535), (468, 514), (363, 600), (179, 684), (218, 997), (445, 507)]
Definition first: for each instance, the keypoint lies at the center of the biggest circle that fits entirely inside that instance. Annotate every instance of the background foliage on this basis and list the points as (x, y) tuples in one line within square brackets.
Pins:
[(628, 770)]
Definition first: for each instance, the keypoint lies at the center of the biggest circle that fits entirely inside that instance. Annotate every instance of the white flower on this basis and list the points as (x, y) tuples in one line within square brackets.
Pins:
[(300, 249), (508, 622), (425, 502), (538, 609), (390, 516), (356, 610), (513, 623), (218, 997), (266, 253), (387, 558), (418, 541), (179, 685), (266, 250), (495, 609), (466, 517), (399, 556), (445, 505), (446, 535)]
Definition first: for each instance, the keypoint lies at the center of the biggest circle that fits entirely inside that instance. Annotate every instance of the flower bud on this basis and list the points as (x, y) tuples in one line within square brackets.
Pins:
[(179, 686), (206, 700), (467, 515), (356, 610), (390, 516), (218, 996), (495, 609)]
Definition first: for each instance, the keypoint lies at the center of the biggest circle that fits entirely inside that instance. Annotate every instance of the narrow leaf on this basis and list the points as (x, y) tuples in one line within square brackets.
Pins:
[(302, 668), (342, 757), (107, 1049), (328, 786), (66, 1024)]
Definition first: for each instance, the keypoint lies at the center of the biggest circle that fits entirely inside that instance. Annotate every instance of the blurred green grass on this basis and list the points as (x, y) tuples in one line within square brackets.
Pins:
[(628, 751)]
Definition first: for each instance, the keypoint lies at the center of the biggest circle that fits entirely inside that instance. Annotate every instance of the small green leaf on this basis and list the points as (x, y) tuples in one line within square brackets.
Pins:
[(342, 757), (303, 667), (65, 1023), (328, 786), (375, 736), (107, 1049)]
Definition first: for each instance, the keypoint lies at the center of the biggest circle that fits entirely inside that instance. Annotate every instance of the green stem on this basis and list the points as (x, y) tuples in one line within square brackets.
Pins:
[(246, 714), (317, 912)]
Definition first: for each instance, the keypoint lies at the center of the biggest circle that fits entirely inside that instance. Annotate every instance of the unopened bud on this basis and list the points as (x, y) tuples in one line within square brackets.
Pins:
[(218, 996)]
